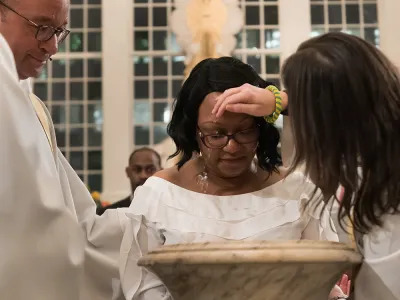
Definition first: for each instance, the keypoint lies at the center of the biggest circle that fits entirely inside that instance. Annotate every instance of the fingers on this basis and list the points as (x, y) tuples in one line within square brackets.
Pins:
[(348, 288), (240, 97), (240, 108), (345, 284), (221, 98), (344, 280)]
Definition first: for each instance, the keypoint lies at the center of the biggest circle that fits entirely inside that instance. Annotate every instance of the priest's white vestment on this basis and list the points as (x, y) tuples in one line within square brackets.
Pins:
[(52, 244)]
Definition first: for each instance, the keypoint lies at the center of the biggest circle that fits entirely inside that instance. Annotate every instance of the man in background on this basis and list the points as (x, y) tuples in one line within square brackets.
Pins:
[(143, 163)]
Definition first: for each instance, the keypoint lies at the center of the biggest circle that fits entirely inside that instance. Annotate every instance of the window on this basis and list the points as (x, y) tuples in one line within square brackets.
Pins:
[(258, 44), (358, 17), (71, 87), (158, 65)]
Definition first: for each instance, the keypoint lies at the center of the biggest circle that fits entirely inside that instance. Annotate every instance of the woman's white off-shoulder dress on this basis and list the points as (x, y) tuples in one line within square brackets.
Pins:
[(162, 213)]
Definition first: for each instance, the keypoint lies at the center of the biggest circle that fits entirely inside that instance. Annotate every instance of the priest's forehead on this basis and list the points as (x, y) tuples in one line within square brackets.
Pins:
[(43, 12)]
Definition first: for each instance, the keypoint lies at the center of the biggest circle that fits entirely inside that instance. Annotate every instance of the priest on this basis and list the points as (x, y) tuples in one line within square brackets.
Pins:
[(52, 245)]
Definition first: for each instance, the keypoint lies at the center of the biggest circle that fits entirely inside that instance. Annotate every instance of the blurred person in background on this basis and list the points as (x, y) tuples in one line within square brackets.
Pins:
[(142, 164)]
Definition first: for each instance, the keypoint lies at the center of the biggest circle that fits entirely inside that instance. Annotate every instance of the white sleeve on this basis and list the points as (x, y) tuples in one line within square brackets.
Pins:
[(104, 234), (138, 283), (379, 276)]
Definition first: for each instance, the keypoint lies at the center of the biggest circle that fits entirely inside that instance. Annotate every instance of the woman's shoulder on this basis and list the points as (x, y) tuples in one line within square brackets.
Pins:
[(178, 176)]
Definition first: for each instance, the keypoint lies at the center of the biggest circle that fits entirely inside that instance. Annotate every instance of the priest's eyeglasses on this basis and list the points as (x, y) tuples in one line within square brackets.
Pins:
[(43, 32), (219, 141)]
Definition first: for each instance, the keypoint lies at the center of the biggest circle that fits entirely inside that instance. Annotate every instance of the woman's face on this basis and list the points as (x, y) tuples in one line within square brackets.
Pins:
[(225, 155)]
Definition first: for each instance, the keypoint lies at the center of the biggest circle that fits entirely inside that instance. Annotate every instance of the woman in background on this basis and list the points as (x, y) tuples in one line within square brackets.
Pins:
[(220, 195), (344, 98)]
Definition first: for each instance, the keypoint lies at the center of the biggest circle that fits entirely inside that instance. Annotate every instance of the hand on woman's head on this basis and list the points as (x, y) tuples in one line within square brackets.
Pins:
[(247, 99)]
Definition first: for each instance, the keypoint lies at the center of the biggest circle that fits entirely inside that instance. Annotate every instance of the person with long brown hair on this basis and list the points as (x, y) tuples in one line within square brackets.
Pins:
[(344, 99)]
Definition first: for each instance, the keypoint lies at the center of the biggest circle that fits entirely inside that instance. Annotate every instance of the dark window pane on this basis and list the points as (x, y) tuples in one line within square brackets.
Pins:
[(160, 89), (141, 66), (58, 114), (76, 68), (76, 18), (161, 112), (58, 67), (141, 18), (76, 91), (94, 68), (40, 90), (141, 40), (76, 114), (76, 160), (160, 66), (317, 14), (352, 14), (94, 91), (271, 15), (178, 65), (335, 14), (253, 38), (159, 16), (160, 40), (252, 15), (141, 89), (94, 137), (272, 64), (94, 41), (142, 135), (95, 182), (94, 16), (95, 160), (370, 14), (58, 92), (76, 137)]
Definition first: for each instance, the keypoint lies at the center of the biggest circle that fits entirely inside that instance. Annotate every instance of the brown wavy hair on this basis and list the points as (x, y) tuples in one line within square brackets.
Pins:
[(344, 97)]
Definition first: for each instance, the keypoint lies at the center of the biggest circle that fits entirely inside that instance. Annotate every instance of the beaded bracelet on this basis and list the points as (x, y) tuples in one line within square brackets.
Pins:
[(278, 105)]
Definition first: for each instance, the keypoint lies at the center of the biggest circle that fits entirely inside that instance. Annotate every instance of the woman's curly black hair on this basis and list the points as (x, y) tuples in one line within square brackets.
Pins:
[(217, 75)]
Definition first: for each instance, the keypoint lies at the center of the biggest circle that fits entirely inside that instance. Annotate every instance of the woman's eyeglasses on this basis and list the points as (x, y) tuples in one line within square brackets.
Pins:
[(219, 141)]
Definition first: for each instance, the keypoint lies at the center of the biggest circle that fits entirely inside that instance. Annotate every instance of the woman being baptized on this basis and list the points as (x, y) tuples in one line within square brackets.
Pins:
[(222, 193)]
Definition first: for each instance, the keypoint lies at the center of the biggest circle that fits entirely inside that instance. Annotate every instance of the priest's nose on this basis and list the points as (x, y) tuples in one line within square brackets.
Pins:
[(50, 46)]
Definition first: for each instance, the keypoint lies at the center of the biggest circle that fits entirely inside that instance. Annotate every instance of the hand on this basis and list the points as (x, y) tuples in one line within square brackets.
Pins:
[(341, 289), (345, 284), (247, 99)]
